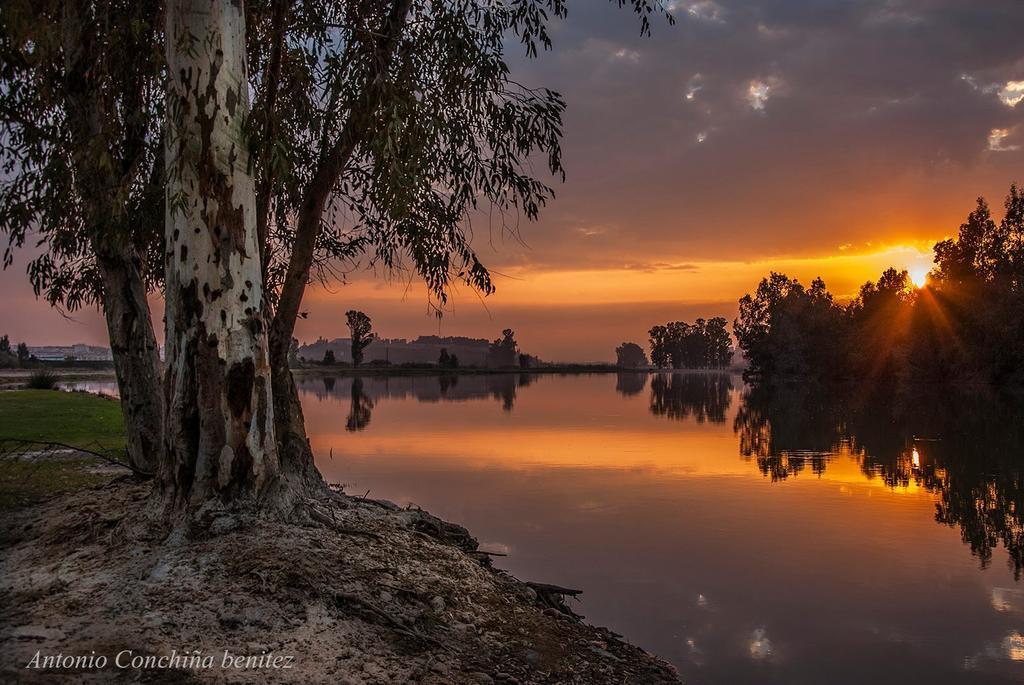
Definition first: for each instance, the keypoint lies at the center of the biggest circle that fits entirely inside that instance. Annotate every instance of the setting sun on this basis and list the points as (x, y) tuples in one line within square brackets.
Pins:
[(919, 275)]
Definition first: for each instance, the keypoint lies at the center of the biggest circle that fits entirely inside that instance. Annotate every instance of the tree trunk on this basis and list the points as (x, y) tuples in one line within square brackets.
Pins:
[(296, 455), (220, 442), (123, 295), (136, 359)]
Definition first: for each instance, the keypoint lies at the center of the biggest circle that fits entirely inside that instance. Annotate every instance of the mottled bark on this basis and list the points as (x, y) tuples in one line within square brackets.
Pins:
[(221, 442), (136, 358), (123, 289)]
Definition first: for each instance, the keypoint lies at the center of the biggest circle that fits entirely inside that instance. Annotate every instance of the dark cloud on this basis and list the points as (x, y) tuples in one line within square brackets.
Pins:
[(810, 123)]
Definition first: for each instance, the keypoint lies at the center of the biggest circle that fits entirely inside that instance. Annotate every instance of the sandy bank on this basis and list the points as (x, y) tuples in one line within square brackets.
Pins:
[(368, 594)]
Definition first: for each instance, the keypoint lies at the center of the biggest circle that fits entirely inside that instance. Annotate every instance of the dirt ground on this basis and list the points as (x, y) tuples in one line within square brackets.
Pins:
[(363, 593)]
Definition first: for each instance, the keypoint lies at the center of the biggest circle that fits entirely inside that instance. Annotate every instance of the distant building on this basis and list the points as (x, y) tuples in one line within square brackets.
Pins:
[(423, 350), (78, 351)]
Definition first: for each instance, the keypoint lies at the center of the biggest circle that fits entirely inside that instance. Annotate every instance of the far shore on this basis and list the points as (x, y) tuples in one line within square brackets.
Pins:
[(11, 379)]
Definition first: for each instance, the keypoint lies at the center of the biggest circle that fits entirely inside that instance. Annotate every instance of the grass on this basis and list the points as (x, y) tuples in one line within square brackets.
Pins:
[(73, 418)]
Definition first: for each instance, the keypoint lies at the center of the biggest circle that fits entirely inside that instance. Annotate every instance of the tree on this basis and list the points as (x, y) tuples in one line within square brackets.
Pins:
[(220, 441), (80, 122), (629, 355), (5, 344), (719, 343), (398, 120), (360, 331), (23, 354), (504, 351), (447, 361), (659, 346), (406, 126), (700, 345), (329, 359)]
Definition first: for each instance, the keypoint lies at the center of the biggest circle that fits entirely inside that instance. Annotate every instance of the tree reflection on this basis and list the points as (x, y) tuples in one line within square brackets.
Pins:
[(360, 409), (629, 383), (443, 387), (964, 444), (703, 396)]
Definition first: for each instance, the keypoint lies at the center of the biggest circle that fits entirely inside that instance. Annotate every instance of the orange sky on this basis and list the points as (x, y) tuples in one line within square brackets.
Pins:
[(831, 139)]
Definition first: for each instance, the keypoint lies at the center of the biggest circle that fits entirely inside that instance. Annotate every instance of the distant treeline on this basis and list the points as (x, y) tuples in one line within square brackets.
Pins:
[(966, 323), (704, 344)]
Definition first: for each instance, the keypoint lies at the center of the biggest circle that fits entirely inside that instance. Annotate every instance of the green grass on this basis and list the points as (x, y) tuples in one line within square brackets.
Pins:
[(72, 418)]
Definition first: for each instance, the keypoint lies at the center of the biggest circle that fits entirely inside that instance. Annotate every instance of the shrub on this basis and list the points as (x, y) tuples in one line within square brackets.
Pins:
[(42, 380)]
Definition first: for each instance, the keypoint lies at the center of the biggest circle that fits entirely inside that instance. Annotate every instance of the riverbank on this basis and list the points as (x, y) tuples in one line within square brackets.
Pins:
[(363, 592)]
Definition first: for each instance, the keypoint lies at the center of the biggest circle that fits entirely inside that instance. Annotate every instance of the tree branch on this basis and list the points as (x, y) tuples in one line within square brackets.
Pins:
[(326, 176)]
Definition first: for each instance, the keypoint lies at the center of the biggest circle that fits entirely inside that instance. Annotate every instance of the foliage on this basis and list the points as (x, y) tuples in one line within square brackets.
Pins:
[(42, 380), (504, 351), (329, 358), (83, 90), (360, 331), (629, 355), (446, 360), (703, 344), (967, 322), (453, 137)]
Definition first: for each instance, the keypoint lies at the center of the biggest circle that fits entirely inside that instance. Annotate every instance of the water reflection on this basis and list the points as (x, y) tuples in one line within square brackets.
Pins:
[(360, 409), (701, 396), (629, 383), (365, 391), (964, 444), (762, 535)]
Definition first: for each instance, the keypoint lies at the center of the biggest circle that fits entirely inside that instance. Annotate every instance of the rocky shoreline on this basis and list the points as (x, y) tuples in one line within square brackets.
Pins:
[(361, 592)]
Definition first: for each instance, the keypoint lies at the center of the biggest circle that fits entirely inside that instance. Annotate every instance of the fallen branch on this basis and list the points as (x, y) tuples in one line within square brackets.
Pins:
[(389, 620), (21, 447)]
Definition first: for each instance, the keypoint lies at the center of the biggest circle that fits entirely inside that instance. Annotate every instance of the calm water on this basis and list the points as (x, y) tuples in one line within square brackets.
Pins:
[(796, 536)]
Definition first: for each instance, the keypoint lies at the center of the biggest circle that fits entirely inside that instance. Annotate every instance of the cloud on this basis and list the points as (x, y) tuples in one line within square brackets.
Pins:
[(997, 140), (758, 93), (703, 10), (1012, 93), (626, 55), (759, 646), (694, 86)]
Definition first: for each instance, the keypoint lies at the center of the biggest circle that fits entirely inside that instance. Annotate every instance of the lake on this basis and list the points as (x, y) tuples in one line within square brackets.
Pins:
[(801, 534)]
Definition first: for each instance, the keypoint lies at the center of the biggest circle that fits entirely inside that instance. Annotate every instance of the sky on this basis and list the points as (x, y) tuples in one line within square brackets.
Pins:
[(813, 137)]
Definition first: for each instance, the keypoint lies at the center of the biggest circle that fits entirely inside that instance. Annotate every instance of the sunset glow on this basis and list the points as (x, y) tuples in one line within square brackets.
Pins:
[(919, 276)]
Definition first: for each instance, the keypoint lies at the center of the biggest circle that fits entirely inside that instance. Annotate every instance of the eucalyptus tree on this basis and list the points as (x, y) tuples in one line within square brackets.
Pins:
[(380, 127), (385, 128), (220, 439), (81, 85)]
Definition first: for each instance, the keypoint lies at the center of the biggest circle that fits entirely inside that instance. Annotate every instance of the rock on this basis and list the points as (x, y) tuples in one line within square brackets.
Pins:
[(528, 593), (481, 678), (224, 524), (36, 633), (604, 653), (437, 603)]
